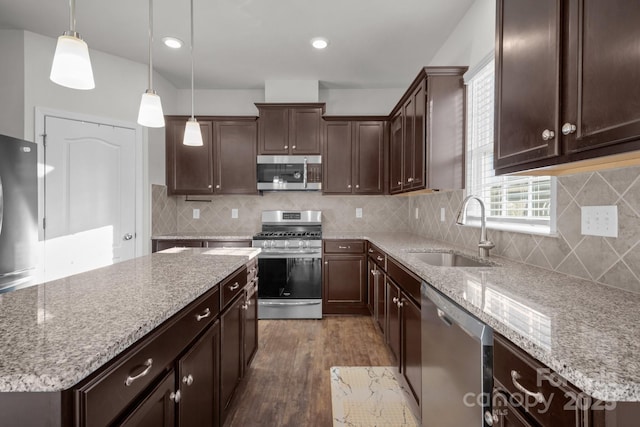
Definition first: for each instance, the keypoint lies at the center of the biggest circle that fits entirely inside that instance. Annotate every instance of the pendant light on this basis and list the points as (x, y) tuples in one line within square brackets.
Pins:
[(192, 132), (71, 64), (150, 113)]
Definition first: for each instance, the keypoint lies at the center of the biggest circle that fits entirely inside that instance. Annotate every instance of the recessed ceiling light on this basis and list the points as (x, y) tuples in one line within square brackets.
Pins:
[(172, 42), (319, 43)]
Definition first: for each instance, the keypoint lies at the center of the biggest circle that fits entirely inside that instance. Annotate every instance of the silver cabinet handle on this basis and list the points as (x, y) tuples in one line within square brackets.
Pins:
[(234, 286), (245, 306), (491, 419), (175, 396), (127, 236), (130, 379), (357, 186), (209, 186), (399, 182), (568, 128), (370, 250), (204, 315), (344, 247), (188, 380), (286, 147), (293, 147), (409, 179), (395, 300), (217, 185), (348, 185), (326, 263), (548, 135), (379, 258), (515, 376), (400, 304)]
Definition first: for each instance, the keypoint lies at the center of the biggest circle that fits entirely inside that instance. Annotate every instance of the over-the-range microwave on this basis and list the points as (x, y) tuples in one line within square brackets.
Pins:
[(299, 173)]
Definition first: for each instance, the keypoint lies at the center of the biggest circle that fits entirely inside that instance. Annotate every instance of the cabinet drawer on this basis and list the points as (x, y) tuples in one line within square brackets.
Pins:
[(105, 396), (515, 371), (233, 286), (378, 256), (344, 246), (409, 283)]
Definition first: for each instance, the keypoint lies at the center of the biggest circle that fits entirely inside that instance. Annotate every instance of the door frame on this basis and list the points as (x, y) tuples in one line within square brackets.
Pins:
[(142, 193)]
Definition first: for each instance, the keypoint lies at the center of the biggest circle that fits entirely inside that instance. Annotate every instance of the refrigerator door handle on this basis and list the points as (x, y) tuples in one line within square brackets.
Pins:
[(1, 205)]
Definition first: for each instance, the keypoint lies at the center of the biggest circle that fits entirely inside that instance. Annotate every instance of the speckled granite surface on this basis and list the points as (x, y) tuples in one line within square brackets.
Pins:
[(55, 334), (203, 236), (588, 333)]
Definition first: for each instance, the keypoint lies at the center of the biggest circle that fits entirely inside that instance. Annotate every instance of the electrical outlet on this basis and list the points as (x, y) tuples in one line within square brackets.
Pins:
[(417, 214), (599, 221), (358, 212), (196, 214), (234, 213), (442, 215)]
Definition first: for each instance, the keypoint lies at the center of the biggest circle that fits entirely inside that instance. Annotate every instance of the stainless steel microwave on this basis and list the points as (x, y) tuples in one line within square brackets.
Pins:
[(301, 173)]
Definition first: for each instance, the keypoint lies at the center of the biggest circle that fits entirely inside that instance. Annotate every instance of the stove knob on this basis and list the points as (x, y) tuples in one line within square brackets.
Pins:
[(265, 244), (304, 244), (272, 244)]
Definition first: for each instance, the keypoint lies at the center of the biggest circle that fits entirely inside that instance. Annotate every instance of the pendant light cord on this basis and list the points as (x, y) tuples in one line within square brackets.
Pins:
[(72, 15), (150, 44), (192, 96)]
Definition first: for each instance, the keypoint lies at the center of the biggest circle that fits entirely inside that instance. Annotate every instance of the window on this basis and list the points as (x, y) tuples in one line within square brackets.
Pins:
[(515, 203)]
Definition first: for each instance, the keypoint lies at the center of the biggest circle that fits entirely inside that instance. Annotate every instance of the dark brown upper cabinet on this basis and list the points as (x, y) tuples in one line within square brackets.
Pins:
[(189, 169), (224, 164), (354, 155), (569, 100), (289, 129), (427, 144)]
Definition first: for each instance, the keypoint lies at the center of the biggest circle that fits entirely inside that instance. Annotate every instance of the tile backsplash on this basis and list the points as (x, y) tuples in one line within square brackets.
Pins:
[(611, 261)]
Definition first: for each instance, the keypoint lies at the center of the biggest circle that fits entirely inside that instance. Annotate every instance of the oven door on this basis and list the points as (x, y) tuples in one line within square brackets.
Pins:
[(290, 287)]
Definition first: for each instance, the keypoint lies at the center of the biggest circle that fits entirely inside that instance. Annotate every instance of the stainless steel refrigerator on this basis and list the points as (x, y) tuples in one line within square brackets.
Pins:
[(18, 213)]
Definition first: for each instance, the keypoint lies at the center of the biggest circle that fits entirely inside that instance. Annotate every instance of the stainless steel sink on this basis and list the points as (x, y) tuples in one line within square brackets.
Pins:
[(450, 259)]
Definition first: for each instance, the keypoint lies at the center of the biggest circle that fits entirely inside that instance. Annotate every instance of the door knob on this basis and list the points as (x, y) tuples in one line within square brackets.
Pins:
[(548, 135), (568, 128), (127, 236)]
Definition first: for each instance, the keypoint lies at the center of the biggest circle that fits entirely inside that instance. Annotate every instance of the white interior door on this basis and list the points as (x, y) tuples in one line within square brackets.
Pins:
[(89, 186)]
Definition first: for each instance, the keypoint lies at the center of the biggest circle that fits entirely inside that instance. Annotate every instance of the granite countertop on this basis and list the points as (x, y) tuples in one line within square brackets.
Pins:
[(242, 235), (587, 332), (55, 334)]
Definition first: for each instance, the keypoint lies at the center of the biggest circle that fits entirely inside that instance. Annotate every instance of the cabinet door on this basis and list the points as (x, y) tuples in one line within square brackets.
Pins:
[(198, 376), (157, 409), (231, 344), (372, 272), (251, 325), (368, 149), (418, 138), (395, 154), (305, 130), (392, 332), (235, 157), (603, 70), (411, 353), (189, 169), (380, 300), (507, 415), (337, 161), (527, 81), (344, 284), (273, 131), (408, 163)]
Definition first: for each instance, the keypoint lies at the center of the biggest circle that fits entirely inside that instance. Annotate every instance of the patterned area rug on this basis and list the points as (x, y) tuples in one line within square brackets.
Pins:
[(369, 396)]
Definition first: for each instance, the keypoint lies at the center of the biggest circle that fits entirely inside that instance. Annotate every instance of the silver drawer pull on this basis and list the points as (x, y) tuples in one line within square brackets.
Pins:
[(130, 379), (234, 286), (188, 379), (370, 250), (204, 315), (515, 376), (380, 258), (175, 396), (344, 247)]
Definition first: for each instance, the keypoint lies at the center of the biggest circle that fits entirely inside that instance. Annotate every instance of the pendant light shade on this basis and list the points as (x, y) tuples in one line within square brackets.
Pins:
[(150, 113), (71, 63), (192, 132)]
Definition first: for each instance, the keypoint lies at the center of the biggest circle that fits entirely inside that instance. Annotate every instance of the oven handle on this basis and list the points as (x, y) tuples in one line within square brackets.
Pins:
[(272, 255), (272, 303), (305, 173)]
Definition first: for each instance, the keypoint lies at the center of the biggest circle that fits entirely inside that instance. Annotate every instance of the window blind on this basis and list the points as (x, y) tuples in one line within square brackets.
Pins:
[(518, 203)]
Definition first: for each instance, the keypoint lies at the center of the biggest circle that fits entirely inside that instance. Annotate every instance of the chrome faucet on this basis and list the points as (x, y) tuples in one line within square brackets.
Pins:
[(484, 245)]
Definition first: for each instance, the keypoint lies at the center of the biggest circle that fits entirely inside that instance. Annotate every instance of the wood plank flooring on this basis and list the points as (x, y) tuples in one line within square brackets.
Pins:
[(288, 383)]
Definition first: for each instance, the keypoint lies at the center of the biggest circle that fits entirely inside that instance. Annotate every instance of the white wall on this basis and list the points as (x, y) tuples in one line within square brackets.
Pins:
[(12, 83), (472, 39), (227, 102)]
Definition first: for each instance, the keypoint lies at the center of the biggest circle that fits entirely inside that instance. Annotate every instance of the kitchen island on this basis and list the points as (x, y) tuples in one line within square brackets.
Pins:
[(56, 335)]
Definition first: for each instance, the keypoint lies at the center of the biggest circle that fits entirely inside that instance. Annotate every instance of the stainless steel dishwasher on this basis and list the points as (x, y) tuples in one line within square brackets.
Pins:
[(457, 358)]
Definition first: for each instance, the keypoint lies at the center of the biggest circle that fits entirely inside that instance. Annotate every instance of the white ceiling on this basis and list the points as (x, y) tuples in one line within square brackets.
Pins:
[(241, 43)]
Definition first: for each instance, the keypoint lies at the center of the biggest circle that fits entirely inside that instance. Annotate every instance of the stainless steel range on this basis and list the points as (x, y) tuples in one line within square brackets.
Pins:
[(290, 265)]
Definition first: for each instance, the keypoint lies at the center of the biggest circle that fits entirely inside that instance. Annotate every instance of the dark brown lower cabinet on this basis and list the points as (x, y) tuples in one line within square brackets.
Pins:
[(231, 362), (251, 323), (158, 408), (372, 269), (344, 278), (393, 319), (506, 415), (199, 382)]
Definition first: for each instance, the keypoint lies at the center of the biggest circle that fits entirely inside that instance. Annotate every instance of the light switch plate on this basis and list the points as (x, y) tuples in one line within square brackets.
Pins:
[(442, 215), (599, 221), (196, 214), (417, 213), (234, 213), (358, 212)]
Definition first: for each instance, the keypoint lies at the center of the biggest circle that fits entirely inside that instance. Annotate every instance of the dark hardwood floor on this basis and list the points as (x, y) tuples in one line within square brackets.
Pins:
[(288, 383)]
